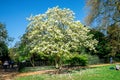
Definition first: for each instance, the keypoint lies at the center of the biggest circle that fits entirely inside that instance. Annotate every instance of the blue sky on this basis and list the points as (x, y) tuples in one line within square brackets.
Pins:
[(13, 13)]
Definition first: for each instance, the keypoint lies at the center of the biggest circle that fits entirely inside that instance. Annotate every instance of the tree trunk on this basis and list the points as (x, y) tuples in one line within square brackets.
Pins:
[(58, 63), (32, 62)]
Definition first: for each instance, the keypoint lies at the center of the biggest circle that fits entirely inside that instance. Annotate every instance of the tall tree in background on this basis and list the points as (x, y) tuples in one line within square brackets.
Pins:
[(103, 48), (3, 42), (102, 12), (114, 38), (3, 33), (105, 15)]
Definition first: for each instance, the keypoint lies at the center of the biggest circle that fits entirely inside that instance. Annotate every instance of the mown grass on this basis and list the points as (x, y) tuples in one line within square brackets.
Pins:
[(97, 73)]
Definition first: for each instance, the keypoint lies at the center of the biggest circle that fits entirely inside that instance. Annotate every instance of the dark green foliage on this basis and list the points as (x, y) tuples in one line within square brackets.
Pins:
[(3, 43), (93, 59), (113, 32), (78, 59), (3, 49), (105, 15), (103, 48)]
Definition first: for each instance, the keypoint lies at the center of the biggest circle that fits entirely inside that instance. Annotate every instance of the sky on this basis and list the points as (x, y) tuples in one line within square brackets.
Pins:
[(13, 13)]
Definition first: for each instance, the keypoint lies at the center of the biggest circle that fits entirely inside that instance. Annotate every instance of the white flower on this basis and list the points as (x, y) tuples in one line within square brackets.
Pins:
[(47, 35)]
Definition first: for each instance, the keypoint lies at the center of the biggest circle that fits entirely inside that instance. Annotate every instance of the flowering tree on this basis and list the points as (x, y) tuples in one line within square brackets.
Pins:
[(56, 33)]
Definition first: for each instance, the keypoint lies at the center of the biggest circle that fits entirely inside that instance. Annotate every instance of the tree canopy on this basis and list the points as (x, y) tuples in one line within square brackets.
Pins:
[(102, 12), (3, 42), (105, 15), (114, 38), (3, 33), (56, 33)]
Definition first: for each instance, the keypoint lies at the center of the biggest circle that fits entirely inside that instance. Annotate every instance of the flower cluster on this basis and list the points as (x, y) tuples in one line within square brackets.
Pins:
[(56, 32)]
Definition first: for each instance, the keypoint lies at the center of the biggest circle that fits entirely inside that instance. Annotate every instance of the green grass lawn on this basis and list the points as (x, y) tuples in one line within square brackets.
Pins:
[(98, 73)]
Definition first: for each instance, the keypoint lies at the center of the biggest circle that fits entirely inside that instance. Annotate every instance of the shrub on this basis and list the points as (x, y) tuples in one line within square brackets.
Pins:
[(77, 59), (93, 59)]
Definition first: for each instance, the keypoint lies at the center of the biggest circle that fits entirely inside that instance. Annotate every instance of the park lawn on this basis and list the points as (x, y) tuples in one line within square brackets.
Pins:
[(97, 73)]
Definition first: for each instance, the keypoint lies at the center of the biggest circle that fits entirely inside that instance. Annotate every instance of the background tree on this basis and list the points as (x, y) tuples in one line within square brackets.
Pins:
[(24, 50), (56, 33), (105, 15), (102, 12), (114, 38), (13, 54), (3, 42), (103, 48)]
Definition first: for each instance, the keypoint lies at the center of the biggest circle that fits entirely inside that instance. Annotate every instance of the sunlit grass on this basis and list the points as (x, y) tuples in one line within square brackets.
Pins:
[(98, 73)]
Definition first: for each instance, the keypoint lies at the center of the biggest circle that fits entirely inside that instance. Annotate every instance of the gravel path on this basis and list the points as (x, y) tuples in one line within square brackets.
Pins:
[(7, 75)]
